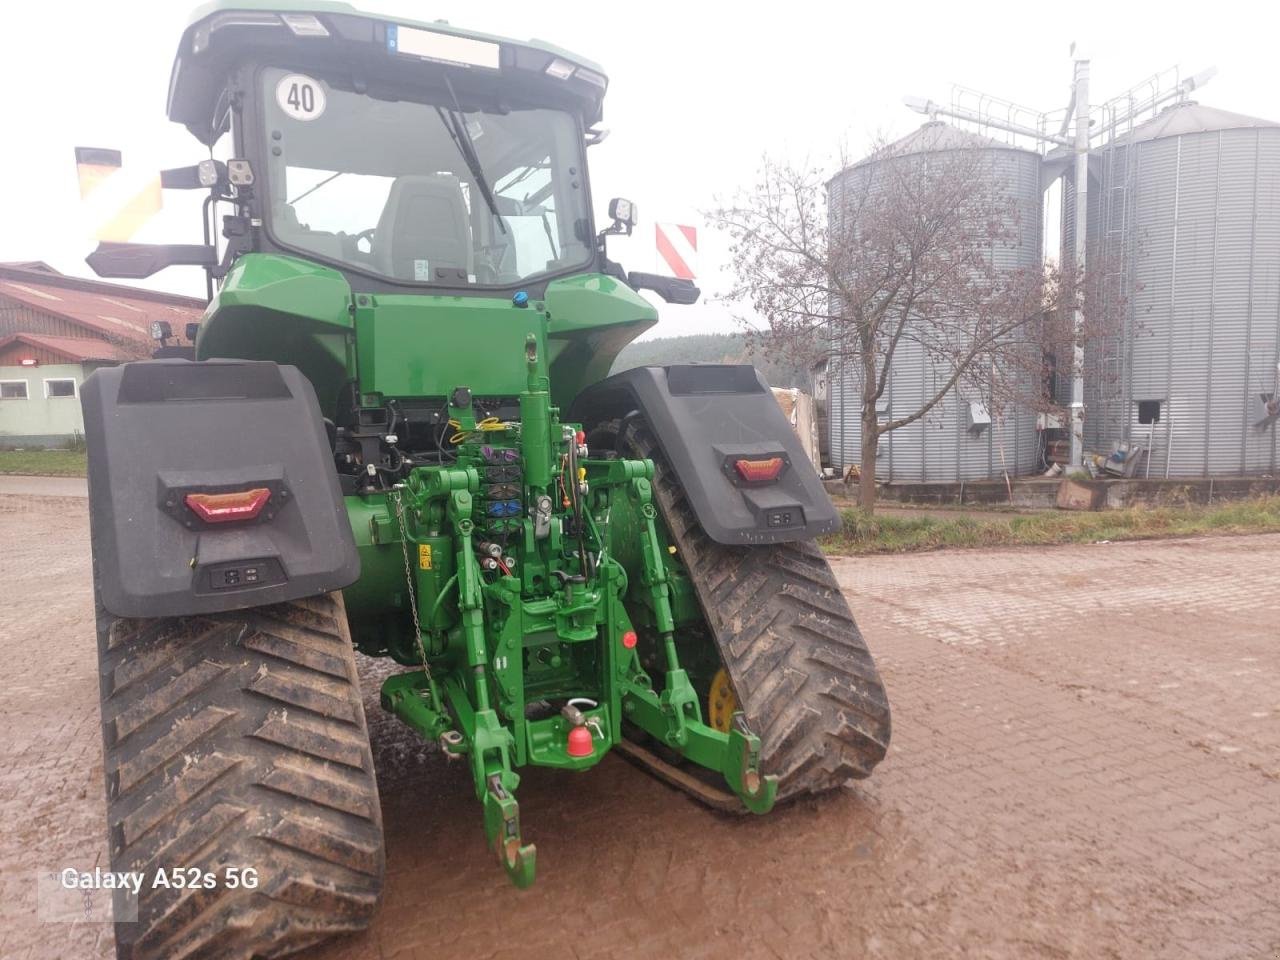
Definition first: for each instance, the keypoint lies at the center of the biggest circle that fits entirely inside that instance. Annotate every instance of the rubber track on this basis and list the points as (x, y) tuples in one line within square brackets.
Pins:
[(798, 664), (239, 740)]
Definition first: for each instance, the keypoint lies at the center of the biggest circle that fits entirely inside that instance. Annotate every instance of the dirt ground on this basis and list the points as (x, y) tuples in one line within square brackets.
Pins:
[(1085, 763)]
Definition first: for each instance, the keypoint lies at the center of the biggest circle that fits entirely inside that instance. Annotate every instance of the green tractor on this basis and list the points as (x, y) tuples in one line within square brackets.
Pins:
[(398, 436)]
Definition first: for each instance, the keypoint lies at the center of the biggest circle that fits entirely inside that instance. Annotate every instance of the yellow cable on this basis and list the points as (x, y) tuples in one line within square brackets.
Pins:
[(488, 423)]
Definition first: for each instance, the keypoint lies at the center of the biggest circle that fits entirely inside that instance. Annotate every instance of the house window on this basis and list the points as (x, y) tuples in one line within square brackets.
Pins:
[(59, 388), (1148, 411), (13, 389)]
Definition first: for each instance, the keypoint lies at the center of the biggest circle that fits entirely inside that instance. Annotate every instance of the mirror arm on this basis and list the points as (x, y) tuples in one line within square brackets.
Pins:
[(238, 232), (612, 269), (670, 289)]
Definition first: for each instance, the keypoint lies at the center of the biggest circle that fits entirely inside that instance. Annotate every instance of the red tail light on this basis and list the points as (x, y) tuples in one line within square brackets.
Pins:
[(759, 471), (228, 507)]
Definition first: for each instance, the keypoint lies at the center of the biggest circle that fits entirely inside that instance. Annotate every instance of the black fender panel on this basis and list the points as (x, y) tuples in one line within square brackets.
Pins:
[(157, 430), (706, 417)]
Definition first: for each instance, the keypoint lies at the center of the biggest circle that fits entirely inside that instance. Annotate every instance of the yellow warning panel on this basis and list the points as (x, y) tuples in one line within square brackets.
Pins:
[(424, 556)]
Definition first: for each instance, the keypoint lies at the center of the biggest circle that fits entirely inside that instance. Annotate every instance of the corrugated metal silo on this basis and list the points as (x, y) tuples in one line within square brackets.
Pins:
[(941, 446), (1187, 219)]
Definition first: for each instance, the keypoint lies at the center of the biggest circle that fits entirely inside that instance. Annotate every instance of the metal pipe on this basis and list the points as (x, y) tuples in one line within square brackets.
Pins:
[(1081, 225), (928, 107)]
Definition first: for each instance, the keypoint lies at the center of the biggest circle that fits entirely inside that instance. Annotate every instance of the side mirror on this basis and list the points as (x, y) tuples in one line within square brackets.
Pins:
[(670, 289), (623, 214), (134, 261)]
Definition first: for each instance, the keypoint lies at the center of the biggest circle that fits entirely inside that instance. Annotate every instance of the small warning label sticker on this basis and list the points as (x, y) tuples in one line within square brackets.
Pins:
[(424, 556)]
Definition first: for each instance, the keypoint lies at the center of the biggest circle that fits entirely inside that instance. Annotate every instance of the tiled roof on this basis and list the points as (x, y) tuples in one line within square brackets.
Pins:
[(102, 308), (73, 348), (37, 265)]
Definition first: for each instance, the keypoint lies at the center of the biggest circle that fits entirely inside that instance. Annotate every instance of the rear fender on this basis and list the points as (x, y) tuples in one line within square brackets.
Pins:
[(160, 430), (705, 417)]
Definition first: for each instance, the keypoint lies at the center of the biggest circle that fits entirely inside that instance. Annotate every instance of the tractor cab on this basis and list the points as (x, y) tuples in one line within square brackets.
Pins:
[(402, 155), (408, 157)]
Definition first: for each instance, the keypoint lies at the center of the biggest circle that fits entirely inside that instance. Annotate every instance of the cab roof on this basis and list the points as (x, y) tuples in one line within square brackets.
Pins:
[(328, 33)]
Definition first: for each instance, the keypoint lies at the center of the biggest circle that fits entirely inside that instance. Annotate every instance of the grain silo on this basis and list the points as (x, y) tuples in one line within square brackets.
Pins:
[(1184, 227), (958, 439)]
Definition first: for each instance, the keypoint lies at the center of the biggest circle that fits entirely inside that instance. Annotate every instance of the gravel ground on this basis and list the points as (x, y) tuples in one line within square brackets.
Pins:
[(1086, 763)]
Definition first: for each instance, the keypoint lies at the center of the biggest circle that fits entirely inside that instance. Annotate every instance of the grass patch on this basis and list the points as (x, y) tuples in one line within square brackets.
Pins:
[(43, 463), (897, 534)]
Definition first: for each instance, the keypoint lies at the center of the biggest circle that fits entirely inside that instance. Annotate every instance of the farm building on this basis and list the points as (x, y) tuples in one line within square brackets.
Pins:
[(55, 330)]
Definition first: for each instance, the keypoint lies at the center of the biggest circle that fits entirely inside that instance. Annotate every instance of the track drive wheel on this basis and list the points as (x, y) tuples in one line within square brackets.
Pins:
[(237, 742)]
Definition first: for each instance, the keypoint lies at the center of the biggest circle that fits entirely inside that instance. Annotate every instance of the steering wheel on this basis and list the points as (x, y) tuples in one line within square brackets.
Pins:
[(351, 244)]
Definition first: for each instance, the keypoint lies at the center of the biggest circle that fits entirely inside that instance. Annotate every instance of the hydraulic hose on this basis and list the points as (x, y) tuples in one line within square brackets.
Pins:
[(576, 499)]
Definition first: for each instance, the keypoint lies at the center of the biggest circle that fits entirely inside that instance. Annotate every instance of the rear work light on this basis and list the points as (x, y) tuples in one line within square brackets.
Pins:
[(759, 471), (228, 507)]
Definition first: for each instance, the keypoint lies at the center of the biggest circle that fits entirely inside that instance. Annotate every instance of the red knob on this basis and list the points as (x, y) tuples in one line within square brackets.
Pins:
[(580, 744), (629, 639)]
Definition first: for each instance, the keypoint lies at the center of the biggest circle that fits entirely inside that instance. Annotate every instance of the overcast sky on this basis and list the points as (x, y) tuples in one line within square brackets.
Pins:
[(698, 91)]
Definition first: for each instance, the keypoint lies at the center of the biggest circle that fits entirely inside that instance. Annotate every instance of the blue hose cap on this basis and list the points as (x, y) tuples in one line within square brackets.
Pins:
[(520, 298)]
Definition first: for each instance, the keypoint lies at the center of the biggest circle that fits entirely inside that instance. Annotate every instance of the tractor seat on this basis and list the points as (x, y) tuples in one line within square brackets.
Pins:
[(424, 227)]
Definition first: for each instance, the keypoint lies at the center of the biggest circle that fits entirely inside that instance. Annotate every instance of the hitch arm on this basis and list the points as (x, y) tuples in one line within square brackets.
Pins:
[(735, 755)]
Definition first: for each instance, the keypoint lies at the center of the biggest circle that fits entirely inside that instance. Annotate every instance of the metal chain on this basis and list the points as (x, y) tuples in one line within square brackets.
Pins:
[(409, 580)]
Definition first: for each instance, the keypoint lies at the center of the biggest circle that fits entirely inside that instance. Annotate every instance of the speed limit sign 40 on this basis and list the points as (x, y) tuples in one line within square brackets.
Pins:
[(300, 97)]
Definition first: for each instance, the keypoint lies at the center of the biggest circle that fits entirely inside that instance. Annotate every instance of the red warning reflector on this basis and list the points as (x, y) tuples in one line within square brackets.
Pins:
[(759, 471), (228, 507), (629, 639)]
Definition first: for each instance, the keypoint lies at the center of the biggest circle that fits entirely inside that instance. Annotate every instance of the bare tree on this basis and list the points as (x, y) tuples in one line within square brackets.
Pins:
[(906, 249)]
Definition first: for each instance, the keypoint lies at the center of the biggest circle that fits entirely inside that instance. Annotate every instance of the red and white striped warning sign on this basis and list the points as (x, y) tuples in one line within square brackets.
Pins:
[(678, 247)]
